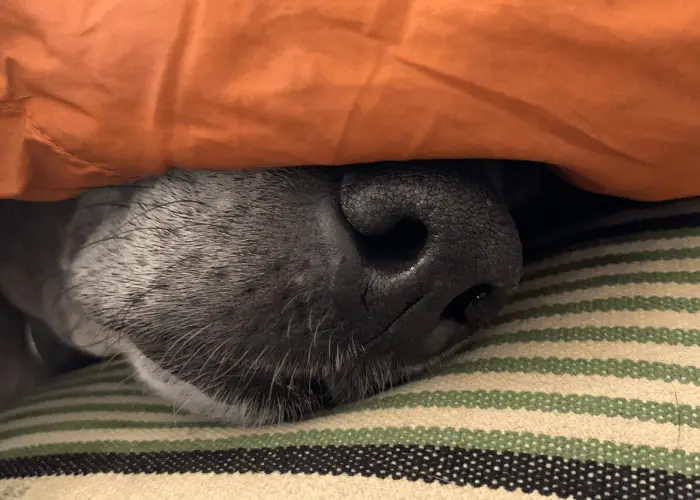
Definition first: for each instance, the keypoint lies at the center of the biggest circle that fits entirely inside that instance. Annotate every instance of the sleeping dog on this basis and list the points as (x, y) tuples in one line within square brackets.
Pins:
[(261, 296)]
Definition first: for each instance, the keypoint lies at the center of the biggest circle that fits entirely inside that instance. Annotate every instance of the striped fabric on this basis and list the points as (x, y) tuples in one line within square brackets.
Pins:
[(588, 386)]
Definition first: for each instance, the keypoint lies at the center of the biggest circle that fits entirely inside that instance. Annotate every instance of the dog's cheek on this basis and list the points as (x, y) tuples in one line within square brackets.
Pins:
[(20, 368)]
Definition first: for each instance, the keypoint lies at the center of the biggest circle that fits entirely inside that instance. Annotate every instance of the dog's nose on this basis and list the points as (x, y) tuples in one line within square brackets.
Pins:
[(438, 255)]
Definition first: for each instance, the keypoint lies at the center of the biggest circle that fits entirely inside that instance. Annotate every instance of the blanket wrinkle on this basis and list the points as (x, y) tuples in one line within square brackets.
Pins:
[(167, 91), (127, 88), (354, 106), (518, 107)]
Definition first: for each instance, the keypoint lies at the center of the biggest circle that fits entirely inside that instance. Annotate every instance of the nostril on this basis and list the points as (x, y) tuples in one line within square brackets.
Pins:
[(401, 244), (467, 307)]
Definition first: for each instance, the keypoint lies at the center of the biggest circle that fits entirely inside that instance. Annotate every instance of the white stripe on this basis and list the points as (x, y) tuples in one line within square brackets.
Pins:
[(81, 401), (633, 351), (597, 319), (577, 255), (664, 266), (621, 291), (570, 425)]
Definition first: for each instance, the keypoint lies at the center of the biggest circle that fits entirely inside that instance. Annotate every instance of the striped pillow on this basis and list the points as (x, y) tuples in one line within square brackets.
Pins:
[(588, 386)]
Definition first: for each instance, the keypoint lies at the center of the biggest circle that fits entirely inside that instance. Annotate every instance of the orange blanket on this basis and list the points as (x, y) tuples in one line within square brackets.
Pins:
[(98, 91)]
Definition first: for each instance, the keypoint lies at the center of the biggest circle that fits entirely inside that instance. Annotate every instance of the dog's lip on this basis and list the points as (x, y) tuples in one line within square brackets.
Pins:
[(423, 329), (420, 326), (387, 331)]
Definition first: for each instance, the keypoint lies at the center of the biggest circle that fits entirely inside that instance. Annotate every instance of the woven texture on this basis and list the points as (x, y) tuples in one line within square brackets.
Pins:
[(588, 386)]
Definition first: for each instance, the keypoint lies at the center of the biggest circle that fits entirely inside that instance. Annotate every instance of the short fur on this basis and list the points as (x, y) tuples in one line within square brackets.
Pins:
[(231, 293)]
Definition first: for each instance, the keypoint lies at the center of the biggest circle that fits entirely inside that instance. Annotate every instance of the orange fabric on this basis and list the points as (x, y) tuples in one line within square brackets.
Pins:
[(97, 91)]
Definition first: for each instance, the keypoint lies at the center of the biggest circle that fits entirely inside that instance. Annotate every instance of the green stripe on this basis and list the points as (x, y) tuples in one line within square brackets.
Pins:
[(620, 368), (104, 367), (606, 260), (73, 382), (674, 461), (656, 235), (84, 425), (101, 369), (119, 391), (106, 372), (661, 413), (647, 411), (609, 243), (689, 278), (89, 407), (646, 335), (555, 366), (634, 303)]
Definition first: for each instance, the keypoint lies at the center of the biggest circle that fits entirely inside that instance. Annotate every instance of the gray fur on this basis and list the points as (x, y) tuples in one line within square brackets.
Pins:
[(222, 288)]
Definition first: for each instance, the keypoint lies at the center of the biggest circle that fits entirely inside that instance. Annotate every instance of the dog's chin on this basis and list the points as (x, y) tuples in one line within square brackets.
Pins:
[(185, 396), (268, 398)]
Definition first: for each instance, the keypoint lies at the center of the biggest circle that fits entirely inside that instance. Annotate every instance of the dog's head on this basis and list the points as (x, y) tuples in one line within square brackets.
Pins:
[(265, 295)]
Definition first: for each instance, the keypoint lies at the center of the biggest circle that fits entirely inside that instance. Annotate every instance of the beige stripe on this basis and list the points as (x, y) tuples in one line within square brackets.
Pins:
[(661, 266), (103, 400), (591, 385), (100, 416), (594, 385), (653, 353), (674, 290), (568, 425), (659, 319), (614, 249), (246, 486)]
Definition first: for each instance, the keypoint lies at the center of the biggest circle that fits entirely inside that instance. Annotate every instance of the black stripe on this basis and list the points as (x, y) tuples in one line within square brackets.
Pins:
[(456, 466), (593, 237)]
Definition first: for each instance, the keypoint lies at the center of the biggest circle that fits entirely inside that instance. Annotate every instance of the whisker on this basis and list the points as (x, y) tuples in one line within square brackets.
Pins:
[(276, 374)]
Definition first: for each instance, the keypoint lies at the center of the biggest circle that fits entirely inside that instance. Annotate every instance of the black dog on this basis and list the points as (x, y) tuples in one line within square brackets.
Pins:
[(264, 295)]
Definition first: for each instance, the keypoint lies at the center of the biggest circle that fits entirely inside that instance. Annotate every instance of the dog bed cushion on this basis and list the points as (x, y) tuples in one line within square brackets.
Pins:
[(98, 91), (588, 386)]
